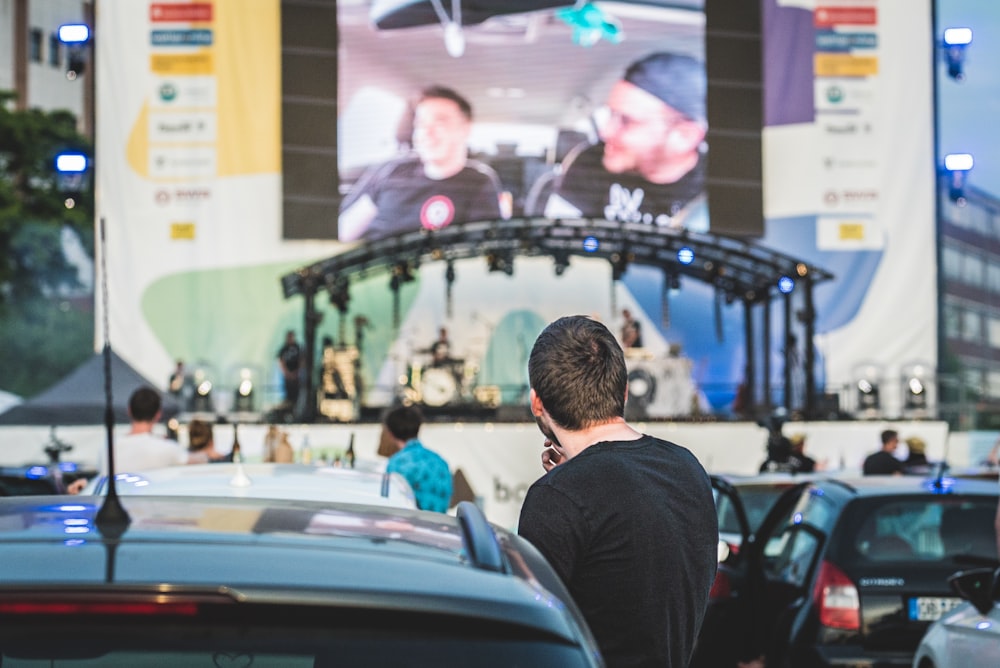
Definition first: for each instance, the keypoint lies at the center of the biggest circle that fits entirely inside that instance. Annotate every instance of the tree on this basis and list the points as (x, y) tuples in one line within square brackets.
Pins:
[(46, 312), (33, 207)]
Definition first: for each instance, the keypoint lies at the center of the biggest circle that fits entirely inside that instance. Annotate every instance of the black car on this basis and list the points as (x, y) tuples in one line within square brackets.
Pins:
[(846, 572), (185, 581)]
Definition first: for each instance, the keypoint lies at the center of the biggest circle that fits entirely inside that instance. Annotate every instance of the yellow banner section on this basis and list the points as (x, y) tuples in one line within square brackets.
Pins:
[(844, 65), (182, 231), (178, 64), (852, 231)]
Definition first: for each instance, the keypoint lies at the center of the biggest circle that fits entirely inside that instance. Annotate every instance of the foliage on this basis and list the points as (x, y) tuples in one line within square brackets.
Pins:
[(41, 340), (46, 315), (33, 198)]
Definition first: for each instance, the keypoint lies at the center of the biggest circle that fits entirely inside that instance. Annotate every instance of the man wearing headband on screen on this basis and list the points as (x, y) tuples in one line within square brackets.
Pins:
[(435, 186), (649, 166)]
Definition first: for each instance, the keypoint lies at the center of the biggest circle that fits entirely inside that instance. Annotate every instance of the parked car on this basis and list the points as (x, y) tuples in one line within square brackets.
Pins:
[(846, 571), (757, 495), (969, 635), (265, 481), (177, 581)]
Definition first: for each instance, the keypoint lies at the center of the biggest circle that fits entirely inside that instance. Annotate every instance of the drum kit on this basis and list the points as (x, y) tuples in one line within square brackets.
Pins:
[(434, 378)]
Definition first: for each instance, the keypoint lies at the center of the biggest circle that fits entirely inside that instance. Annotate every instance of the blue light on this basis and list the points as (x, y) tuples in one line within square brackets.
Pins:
[(74, 33), (67, 467), (36, 472), (940, 485), (685, 255), (785, 285), (959, 162), (982, 626), (591, 244), (71, 163), (797, 518)]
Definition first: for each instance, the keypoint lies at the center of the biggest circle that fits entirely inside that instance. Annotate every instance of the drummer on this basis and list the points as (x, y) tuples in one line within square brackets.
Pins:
[(441, 349)]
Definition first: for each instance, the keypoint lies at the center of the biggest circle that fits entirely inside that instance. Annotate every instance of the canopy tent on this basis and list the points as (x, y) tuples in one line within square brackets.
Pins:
[(78, 399)]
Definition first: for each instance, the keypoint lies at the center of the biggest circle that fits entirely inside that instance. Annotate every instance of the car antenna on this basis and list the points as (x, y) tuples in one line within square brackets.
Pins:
[(112, 519)]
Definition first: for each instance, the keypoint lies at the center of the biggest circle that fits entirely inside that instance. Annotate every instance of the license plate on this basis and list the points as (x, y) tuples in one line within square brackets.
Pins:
[(930, 608)]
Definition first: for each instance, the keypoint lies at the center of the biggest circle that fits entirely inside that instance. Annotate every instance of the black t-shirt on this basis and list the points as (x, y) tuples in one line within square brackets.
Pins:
[(631, 528), (290, 354), (408, 200), (626, 197), (882, 463)]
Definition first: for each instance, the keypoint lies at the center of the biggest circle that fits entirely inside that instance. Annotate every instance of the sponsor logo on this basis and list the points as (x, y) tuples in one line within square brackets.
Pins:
[(827, 17), (181, 38), (168, 127), (834, 94), (180, 11), (827, 40), (164, 196), (845, 128), (182, 63), (182, 162), (850, 196), (168, 92), (844, 65)]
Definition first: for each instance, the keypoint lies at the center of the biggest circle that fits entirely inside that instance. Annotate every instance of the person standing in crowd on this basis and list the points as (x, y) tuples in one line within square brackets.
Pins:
[(435, 186), (201, 444), (649, 166), (425, 470), (916, 461), (884, 462), (290, 361), (631, 331), (140, 449), (627, 520), (802, 462)]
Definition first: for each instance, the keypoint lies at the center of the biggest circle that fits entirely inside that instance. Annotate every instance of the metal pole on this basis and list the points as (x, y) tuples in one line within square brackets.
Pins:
[(810, 350)]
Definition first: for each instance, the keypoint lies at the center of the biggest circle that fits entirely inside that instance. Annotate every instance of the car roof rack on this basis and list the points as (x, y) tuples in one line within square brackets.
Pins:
[(479, 540)]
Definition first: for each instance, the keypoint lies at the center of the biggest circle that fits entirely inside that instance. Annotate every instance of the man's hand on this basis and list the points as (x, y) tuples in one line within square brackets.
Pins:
[(76, 486), (552, 456)]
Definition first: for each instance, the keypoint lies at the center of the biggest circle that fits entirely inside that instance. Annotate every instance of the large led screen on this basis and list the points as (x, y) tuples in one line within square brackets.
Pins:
[(509, 110)]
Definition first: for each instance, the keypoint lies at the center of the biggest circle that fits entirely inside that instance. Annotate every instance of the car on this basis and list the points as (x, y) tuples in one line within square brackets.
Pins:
[(757, 494), (180, 581), (846, 571), (266, 481), (969, 635)]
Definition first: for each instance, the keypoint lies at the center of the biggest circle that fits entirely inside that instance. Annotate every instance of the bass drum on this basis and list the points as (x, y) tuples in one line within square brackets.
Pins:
[(438, 386)]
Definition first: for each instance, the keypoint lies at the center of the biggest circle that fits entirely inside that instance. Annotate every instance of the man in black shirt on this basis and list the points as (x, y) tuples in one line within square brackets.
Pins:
[(884, 462), (436, 186), (627, 520)]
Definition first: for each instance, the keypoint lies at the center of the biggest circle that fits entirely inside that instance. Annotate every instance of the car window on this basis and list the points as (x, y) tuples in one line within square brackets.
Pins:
[(927, 528), (813, 508), (757, 501), (794, 562)]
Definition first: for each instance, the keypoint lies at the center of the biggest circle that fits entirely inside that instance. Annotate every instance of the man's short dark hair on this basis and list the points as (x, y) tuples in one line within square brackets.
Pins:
[(577, 369), (445, 93), (888, 435), (144, 404), (404, 422)]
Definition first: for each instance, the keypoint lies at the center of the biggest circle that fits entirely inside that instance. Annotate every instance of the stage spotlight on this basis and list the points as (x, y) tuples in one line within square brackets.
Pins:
[(497, 262), (916, 379), (785, 285), (955, 42), (685, 255), (869, 377), (243, 399), (867, 395)]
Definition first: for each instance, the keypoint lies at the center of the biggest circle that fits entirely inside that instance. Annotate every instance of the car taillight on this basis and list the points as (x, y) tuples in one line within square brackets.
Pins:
[(721, 587), (96, 608), (836, 599)]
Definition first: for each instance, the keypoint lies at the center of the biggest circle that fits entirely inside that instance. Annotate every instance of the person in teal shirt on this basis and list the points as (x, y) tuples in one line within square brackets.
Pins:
[(425, 470)]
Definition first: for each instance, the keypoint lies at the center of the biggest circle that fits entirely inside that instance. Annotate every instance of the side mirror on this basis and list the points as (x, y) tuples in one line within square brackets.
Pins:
[(976, 587)]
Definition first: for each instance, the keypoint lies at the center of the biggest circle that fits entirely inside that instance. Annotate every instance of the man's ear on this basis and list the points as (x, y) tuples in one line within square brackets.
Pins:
[(688, 133), (537, 408)]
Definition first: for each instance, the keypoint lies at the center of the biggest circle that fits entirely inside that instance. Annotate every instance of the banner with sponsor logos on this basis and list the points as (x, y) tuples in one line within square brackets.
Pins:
[(189, 184), (850, 179)]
